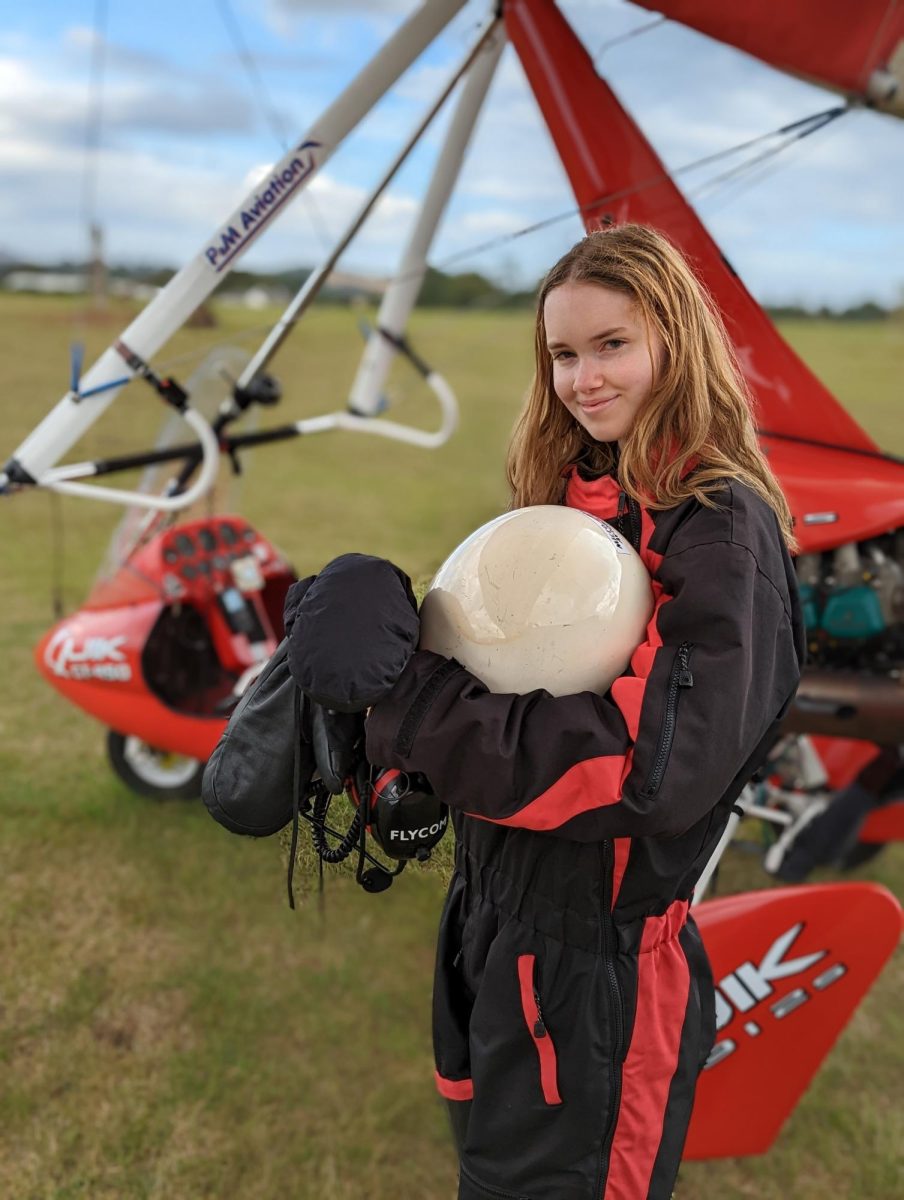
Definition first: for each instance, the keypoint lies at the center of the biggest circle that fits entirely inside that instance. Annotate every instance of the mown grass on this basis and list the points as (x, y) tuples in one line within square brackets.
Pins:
[(167, 1027)]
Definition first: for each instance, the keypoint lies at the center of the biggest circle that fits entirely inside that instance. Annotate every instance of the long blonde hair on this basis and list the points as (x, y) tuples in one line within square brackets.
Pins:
[(699, 414)]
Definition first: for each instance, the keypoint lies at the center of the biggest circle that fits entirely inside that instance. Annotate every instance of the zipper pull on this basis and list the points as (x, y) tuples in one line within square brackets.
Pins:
[(539, 1026), (685, 678), (457, 959)]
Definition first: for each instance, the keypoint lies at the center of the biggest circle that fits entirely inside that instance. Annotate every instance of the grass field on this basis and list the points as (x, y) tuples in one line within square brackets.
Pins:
[(168, 1029)]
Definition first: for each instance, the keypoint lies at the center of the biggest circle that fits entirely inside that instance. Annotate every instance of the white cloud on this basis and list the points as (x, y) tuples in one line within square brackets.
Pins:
[(288, 17), (305, 7), (52, 111), (177, 144), (82, 41)]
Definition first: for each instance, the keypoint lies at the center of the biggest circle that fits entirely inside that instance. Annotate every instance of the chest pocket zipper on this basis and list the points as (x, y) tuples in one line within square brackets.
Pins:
[(680, 677), (533, 1016)]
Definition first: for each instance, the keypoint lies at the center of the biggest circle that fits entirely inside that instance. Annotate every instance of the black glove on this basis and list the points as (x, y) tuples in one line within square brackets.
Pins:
[(351, 632), (249, 780)]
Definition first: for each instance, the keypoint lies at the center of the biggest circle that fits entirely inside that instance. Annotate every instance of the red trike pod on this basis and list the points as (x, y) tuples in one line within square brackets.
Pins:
[(790, 967)]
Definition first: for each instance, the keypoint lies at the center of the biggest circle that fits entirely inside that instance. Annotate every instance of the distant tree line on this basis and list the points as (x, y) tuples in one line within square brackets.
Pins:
[(868, 311), (439, 290)]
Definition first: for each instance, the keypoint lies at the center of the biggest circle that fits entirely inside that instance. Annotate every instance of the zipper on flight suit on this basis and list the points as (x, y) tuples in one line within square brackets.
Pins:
[(679, 677), (615, 1005), (628, 519), (533, 1016)]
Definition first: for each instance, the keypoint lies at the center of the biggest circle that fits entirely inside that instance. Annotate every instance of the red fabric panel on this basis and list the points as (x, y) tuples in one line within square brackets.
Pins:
[(573, 793), (844, 758), (454, 1089), (663, 984), (622, 848), (580, 788), (599, 497), (628, 690), (814, 38)]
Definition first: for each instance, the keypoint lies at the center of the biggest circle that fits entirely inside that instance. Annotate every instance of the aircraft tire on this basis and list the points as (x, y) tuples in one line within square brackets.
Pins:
[(154, 773)]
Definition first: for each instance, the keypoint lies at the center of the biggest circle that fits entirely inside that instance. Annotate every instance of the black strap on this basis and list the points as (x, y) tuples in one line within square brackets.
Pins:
[(296, 793), (167, 389)]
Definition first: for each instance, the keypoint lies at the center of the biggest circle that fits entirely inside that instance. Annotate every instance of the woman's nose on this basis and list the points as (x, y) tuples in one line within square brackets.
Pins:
[(588, 376)]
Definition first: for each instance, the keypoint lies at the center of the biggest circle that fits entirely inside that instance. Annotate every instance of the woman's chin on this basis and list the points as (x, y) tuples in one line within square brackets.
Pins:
[(604, 427)]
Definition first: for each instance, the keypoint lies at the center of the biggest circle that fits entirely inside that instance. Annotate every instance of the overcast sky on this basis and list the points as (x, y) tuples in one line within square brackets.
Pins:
[(185, 132)]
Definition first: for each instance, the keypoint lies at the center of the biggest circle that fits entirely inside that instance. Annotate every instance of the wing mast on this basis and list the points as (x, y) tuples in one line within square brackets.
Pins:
[(616, 176)]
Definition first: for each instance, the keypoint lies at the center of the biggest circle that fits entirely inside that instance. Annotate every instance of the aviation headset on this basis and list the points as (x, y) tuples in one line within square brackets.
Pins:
[(400, 811)]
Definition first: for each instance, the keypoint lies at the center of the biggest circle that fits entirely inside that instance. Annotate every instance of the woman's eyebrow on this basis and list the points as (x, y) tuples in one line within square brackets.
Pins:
[(596, 337)]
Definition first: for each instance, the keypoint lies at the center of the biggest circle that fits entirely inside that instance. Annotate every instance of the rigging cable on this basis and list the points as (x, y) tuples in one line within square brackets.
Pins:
[(271, 114), (94, 116), (626, 37), (810, 125), (793, 132), (57, 556)]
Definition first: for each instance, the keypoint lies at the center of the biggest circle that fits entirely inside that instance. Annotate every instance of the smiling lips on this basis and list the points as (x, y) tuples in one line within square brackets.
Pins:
[(595, 405)]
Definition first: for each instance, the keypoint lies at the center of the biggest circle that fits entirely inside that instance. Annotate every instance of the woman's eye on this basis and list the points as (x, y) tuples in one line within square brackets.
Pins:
[(562, 355), (613, 343)]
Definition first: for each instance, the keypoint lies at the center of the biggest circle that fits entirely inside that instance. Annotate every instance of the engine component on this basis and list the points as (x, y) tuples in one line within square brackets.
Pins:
[(853, 603)]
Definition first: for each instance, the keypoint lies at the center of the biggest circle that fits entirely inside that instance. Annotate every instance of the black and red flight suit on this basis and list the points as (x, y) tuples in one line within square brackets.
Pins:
[(573, 1001)]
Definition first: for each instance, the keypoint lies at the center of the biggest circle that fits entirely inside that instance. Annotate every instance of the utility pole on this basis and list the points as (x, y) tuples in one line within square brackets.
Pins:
[(97, 269)]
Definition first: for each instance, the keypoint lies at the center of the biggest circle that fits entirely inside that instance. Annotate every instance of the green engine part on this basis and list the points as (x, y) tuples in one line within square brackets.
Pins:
[(810, 607), (853, 613)]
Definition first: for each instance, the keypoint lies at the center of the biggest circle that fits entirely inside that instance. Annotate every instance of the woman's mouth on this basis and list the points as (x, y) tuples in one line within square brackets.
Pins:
[(590, 406)]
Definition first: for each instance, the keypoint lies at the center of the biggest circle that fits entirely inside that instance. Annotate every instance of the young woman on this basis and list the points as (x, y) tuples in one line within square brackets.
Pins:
[(573, 1004)]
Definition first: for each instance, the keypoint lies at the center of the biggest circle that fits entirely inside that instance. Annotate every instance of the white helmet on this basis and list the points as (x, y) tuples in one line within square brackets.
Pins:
[(542, 597)]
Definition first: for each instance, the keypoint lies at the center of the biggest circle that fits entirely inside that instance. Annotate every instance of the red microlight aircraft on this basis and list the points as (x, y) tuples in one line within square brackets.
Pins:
[(160, 650)]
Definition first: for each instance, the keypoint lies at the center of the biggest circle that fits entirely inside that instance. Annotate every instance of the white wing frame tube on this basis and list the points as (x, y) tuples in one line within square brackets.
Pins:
[(393, 429), (64, 479), (488, 36), (74, 414), (364, 397)]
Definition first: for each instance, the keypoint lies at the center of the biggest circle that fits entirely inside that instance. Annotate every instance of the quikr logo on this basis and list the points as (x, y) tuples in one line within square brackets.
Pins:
[(749, 988)]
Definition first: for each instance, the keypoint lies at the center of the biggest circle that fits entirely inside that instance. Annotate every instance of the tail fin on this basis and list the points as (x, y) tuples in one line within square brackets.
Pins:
[(617, 176), (790, 967)]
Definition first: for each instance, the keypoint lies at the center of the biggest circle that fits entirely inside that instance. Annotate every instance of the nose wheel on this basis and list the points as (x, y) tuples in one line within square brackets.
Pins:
[(150, 771)]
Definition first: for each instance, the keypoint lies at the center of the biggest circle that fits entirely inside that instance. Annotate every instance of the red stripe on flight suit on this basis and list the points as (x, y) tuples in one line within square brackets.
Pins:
[(546, 1051), (622, 848), (663, 986), (596, 782), (628, 690), (573, 793), (454, 1089)]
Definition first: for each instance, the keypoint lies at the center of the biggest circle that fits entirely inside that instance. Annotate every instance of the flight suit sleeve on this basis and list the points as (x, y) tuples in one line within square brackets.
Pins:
[(719, 663)]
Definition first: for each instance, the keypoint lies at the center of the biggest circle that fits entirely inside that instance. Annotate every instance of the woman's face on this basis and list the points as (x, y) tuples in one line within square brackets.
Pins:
[(604, 357)]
